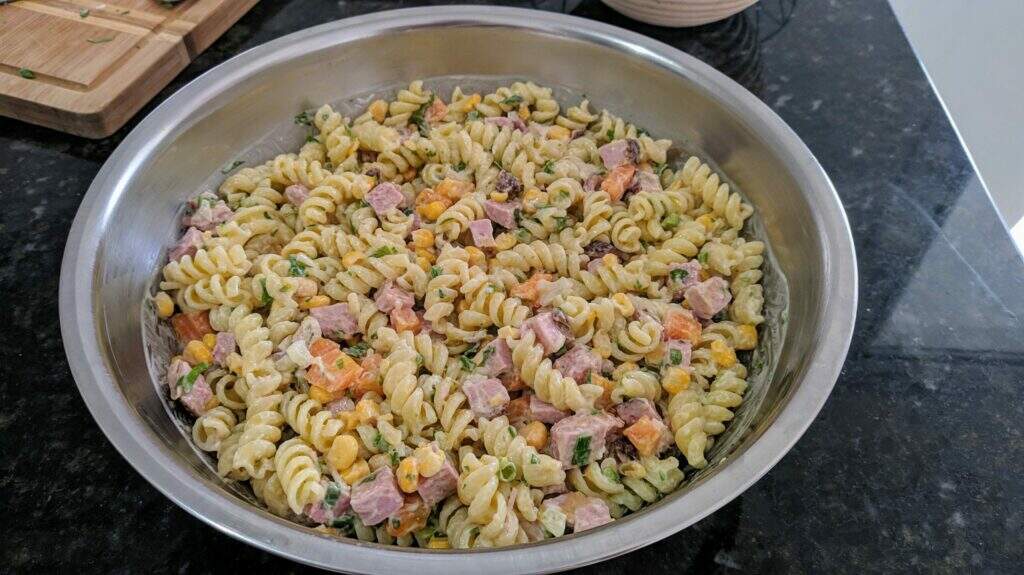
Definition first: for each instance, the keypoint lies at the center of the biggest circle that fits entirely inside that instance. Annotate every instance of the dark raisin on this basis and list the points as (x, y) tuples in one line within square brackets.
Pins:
[(632, 151), (508, 184)]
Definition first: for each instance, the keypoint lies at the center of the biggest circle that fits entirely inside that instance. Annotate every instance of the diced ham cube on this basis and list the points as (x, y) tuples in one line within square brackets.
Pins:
[(683, 276), (549, 334), (544, 412), (438, 486), (619, 152), (483, 233), (296, 194), (324, 513), (209, 214), (677, 349), (580, 439), (506, 183), (648, 181), (578, 362), (499, 358), (189, 244), (224, 347), (376, 497), (507, 122), (335, 320), (487, 396), (390, 297), (501, 213), (197, 399), (629, 412), (592, 183), (177, 369), (708, 297), (340, 406), (567, 504), (384, 197), (593, 513)]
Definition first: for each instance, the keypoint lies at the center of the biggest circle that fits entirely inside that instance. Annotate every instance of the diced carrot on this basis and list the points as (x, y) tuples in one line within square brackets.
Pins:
[(405, 319), (518, 409), (530, 289), (322, 346), (680, 324), (437, 111), (616, 182), (411, 516), (338, 372), (645, 435), (190, 326), (368, 379)]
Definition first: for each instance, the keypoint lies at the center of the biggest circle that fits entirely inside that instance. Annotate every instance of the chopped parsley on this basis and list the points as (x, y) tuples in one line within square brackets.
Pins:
[(511, 431), (303, 119), (549, 167), (561, 222), (332, 494), (296, 269), (379, 443), (99, 40), (581, 451), (357, 350), (473, 115), (343, 523), (227, 168), (460, 166), (670, 221), (523, 235), (189, 379), (534, 460), (419, 120), (26, 73), (435, 271), (467, 363), (310, 139), (513, 100), (678, 275), (610, 133), (675, 357), (703, 258), (611, 474), (83, 13), (384, 251), (486, 355), (265, 298)]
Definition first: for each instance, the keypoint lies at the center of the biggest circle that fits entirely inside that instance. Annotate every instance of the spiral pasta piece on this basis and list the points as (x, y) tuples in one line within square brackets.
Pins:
[(295, 465), (501, 440)]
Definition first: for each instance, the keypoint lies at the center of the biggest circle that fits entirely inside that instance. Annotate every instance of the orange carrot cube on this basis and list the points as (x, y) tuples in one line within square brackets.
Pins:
[(190, 326)]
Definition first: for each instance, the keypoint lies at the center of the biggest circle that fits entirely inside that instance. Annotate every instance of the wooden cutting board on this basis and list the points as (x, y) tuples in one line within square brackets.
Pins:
[(86, 66)]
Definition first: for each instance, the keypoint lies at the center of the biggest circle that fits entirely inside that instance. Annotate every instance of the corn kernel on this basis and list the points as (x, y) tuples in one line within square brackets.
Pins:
[(423, 238), (429, 459), (453, 189), (432, 211), (164, 305), (476, 256), (470, 103), (532, 195), (676, 379), (350, 419), (505, 241), (499, 196), (378, 110), (624, 304), (315, 301), (196, 353), (535, 434), (723, 355), (359, 470), (438, 543), (343, 452), (210, 340), (707, 221), (746, 337), (367, 410), (408, 475), (426, 254), (350, 258), (610, 259), (320, 394), (524, 111), (558, 133), (305, 287)]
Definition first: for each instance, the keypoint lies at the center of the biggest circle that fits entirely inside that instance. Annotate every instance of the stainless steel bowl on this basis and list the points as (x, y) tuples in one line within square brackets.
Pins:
[(130, 214)]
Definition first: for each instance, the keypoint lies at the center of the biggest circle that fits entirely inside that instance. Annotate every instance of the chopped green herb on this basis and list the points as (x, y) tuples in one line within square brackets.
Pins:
[(384, 251), (675, 357), (611, 474), (267, 216), (467, 363), (549, 167), (581, 451), (511, 431), (265, 298), (435, 271), (610, 133), (561, 222), (311, 139), (189, 379), (678, 275), (507, 470), (83, 13), (394, 457), (497, 165), (296, 269), (513, 100), (473, 115), (379, 443), (99, 40), (357, 350), (523, 235), (343, 523), (702, 258), (641, 132), (460, 166), (227, 168), (419, 359), (303, 119), (670, 221), (486, 355), (534, 460), (26, 73), (418, 118), (332, 494)]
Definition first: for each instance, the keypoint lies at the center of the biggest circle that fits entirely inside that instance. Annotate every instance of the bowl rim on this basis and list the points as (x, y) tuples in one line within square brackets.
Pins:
[(82, 330)]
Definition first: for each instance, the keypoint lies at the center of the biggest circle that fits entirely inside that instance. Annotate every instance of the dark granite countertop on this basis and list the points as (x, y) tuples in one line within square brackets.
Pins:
[(916, 462)]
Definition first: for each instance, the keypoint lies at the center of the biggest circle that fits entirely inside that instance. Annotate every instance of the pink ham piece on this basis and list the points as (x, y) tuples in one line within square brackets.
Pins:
[(688, 275), (708, 297), (435, 488), (209, 214), (197, 399), (224, 347), (499, 359), (483, 233), (487, 396), (177, 369), (631, 411), (376, 497), (683, 347), (188, 245), (592, 183), (544, 412), (593, 513), (510, 122), (648, 181), (335, 320), (501, 213), (569, 438), (296, 194), (390, 297), (619, 152), (324, 514), (548, 333), (578, 362), (340, 406), (384, 197)]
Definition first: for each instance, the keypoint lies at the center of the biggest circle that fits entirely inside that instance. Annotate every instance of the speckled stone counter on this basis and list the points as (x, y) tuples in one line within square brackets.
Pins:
[(916, 463)]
